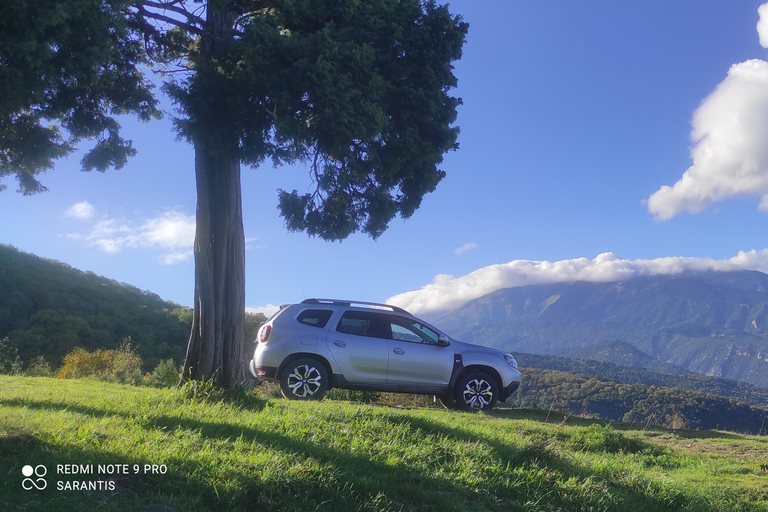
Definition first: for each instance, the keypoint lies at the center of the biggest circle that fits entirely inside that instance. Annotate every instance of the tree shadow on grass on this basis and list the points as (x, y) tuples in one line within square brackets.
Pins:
[(332, 479)]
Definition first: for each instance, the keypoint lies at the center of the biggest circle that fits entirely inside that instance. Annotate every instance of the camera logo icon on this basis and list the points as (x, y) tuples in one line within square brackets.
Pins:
[(39, 482)]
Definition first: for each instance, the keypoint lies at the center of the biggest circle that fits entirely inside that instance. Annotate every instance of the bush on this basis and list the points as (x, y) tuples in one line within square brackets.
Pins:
[(10, 362), (126, 365), (165, 375), (122, 365), (80, 363), (39, 367)]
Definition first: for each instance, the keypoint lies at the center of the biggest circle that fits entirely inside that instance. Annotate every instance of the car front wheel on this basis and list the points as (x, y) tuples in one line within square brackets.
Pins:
[(304, 379), (476, 391)]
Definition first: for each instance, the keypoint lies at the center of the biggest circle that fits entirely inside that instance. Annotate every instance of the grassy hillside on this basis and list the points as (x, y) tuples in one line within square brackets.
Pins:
[(277, 455)]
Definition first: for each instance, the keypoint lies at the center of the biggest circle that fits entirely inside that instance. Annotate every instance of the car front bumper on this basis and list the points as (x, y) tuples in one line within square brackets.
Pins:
[(507, 391)]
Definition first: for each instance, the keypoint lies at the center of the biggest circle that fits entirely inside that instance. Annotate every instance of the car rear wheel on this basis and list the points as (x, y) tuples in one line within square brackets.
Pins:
[(304, 379), (476, 391)]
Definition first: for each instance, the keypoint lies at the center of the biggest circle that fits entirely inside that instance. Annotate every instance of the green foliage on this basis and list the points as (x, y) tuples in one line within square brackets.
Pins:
[(69, 68), (48, 309), (358, 91), (126, 365), (10, 362), (39, 367), (741, 391), (252, 323), (590, 396), (165, 375)]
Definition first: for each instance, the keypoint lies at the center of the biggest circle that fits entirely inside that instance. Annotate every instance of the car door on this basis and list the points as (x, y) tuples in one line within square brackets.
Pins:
[(415, 357), (359, 346)]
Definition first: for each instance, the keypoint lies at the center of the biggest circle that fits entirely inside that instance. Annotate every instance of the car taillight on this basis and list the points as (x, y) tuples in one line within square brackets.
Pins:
[(264, 333)]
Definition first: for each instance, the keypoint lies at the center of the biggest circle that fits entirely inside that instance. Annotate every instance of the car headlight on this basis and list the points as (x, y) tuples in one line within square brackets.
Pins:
[(511, 361)]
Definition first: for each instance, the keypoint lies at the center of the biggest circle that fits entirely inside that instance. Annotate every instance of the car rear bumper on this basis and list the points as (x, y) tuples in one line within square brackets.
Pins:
[(262, 372)]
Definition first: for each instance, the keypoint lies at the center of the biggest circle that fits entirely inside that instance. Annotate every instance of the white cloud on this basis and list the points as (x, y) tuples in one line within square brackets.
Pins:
[(762, 25), (729, 153), (268, 310), (466, 247), (172, 232), (447, 293), (81, 211)]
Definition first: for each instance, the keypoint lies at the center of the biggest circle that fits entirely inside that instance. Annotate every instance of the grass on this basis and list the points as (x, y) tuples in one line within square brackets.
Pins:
[(266, 454)]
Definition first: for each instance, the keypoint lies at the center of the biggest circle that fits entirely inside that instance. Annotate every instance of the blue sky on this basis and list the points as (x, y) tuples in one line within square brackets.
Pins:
[(574, 115)]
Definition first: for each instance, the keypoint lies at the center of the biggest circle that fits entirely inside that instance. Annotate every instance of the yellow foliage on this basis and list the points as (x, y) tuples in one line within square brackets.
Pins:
[(121, 365), (81, 363)]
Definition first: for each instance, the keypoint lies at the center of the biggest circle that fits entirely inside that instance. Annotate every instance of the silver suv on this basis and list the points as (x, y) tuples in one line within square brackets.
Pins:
[(321, 344)]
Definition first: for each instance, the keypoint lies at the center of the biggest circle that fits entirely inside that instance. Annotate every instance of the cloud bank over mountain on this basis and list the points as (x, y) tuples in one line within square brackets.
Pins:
[(447, 293), (729, 154)]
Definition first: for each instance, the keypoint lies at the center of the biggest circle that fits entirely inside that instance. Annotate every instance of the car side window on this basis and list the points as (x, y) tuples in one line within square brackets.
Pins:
[(404, 329), (315, 317), (362, 323)]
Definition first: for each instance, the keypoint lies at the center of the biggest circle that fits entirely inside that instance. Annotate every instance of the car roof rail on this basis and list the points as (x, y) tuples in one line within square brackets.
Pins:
[(337, 302)]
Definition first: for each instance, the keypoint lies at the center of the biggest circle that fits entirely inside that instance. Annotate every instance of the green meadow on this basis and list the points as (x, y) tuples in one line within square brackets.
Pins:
[(252, 452)]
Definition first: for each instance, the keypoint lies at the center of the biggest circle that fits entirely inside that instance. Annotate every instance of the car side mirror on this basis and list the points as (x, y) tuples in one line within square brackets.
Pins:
[(442, 341)]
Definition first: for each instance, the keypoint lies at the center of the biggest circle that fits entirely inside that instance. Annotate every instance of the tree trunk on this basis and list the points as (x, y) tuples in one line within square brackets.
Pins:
[(215, 349)]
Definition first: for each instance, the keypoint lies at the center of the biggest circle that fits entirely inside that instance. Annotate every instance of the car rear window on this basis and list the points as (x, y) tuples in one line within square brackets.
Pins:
[(362, 323), (315, 317)]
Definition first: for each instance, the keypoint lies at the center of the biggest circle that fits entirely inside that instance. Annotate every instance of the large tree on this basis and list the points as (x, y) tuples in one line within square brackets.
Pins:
[(358, 90)]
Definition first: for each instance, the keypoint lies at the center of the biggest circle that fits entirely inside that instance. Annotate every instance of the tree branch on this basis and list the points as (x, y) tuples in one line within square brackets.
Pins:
[(171, 6), (176, 23)]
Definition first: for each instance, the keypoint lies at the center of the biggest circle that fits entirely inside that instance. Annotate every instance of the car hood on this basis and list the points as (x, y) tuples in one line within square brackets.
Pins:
[(462, 346)]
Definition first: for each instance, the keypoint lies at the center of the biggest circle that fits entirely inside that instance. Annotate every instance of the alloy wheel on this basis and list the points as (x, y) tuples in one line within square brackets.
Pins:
[(478, 393), (304, 381)]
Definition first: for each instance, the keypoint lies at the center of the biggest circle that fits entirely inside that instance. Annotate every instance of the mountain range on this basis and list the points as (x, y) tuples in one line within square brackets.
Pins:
[(713, 323)]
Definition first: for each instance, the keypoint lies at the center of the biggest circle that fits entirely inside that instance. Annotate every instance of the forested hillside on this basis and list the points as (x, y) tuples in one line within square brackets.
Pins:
[(731, 389), (636, 403), (48, 308)]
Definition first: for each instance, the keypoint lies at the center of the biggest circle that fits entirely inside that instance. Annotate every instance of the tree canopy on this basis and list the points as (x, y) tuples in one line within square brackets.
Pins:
[(67, 70), (359, 91)]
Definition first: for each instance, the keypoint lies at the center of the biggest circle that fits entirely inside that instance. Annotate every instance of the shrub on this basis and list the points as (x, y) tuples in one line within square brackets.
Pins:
[(126, 365), (165, 375), (39, 367), (122, 365), (80, 363), (10, 362)]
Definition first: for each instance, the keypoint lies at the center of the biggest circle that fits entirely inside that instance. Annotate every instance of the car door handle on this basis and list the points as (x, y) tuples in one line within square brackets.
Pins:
[(398, 351), (339, 343)]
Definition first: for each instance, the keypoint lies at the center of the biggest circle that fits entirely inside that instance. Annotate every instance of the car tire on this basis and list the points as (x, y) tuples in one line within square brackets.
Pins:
[(305, 378), (476, 391)]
